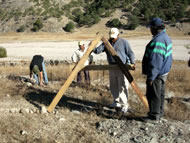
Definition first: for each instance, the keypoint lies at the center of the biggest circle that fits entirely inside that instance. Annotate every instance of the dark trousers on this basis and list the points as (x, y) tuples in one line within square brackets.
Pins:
[(155, 95), (86, 76)]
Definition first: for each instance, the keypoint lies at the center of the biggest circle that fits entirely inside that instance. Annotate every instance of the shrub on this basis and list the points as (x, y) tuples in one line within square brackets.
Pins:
[(37, 26), (134, 22), (115, 23), (77, 12), (85, 20), (21, 29), (96, 19), (69, 27), (100, 11), (173, 20), (136, 12), (107, 14), (3, 52)]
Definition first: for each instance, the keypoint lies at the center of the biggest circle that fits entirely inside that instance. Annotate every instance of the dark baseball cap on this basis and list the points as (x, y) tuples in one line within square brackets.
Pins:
[(155, 22)]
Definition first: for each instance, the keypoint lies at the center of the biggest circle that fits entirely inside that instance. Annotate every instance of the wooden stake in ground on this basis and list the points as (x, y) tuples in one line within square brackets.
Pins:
[(77, 68), (126, 72)]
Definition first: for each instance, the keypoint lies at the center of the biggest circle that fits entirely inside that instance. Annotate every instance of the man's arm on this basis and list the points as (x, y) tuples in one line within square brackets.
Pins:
[(130, 53), (131, 56), (41, 78), (99, 49), (74, 57), (155, 64)]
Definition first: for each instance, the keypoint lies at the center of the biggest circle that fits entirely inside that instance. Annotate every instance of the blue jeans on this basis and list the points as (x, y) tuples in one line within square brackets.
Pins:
[(35, 76), (44, 73)]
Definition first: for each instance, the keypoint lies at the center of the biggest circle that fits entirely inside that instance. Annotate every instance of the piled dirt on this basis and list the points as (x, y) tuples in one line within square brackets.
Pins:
[(82, 114)]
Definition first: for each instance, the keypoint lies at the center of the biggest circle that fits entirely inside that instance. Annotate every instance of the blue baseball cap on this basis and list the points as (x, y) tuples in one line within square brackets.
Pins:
[(155, 22)]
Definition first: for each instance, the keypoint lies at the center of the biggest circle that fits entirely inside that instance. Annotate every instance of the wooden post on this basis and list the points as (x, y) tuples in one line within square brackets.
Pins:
[(71, 77), (125, 71)]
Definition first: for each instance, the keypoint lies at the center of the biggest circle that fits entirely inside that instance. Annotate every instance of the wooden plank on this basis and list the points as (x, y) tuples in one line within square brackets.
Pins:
[(103, 67), (71, 77), (126, 72)]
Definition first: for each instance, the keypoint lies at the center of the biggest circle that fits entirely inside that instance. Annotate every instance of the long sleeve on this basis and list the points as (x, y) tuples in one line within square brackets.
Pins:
[(99, 49), (130, 54), (74, 57)]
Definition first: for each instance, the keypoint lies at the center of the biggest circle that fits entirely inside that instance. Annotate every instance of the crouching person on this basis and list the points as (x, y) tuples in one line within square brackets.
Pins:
[(38, 71)]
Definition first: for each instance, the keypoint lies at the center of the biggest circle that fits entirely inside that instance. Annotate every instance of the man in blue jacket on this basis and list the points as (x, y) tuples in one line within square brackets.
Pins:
[(156, 64), (118, 81)]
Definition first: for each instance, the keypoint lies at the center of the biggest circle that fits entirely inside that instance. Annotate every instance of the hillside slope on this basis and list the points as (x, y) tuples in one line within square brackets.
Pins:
[(53, 15)]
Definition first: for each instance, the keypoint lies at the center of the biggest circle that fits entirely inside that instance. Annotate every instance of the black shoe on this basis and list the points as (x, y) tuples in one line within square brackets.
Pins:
[(150, 120)]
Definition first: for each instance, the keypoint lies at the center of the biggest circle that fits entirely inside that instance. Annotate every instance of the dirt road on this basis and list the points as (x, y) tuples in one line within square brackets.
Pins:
[(63, 50)]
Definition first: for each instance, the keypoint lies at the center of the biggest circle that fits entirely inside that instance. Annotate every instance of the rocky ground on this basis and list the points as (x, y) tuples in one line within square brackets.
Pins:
[(82, 115)]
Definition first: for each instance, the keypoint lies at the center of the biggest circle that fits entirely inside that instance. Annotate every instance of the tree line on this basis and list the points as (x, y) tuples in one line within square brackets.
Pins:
[(90, 12)]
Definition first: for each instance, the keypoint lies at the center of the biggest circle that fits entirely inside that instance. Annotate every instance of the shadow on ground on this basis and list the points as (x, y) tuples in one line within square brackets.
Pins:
[(38, 96)]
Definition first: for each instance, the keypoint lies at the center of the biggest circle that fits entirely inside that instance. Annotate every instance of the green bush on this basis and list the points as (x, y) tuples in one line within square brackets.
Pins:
[(69, 27), (136, 12), (21, 29), (96, 19), (134, 22), (3, 52), (107, 14), (85, 20), (114, 23), (37, 26), (77, 12)]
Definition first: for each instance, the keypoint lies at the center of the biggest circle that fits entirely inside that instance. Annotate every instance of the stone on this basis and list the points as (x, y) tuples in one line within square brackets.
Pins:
[(23, 132), (43, 110), (62, 119), (28, 84), (75, 112), (14, 110), (25, 111)]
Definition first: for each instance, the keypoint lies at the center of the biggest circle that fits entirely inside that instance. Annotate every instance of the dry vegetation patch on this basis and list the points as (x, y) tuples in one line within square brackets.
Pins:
[(81, 107)]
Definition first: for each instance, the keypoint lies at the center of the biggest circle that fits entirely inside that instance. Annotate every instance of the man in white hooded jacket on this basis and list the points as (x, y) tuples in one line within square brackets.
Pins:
[(76, 57)]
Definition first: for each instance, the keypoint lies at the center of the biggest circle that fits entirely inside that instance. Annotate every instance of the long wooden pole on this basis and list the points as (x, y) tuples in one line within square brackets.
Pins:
[(125, 71), (71, 77)]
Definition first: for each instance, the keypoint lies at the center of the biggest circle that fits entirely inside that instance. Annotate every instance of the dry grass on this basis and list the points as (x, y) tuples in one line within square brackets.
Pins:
[(58, 73), (18, 70), (177, 110), (178, 82), (179, 79)]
